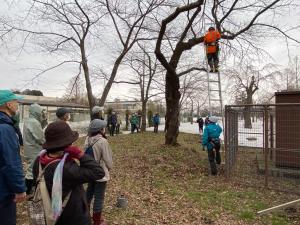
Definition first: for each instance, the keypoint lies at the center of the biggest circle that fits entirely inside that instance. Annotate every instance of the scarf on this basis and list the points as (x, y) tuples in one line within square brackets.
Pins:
[(56, 197)]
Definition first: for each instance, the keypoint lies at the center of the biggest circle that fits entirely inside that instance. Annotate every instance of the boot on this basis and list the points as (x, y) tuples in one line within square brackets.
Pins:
[(102, 221), (211, 66), (98, 219), (28, 183), (216, 68)]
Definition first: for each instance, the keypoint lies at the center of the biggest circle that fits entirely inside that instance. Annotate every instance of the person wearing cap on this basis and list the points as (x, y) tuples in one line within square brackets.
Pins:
[(77, 170), (12, 185), (63, 114), (97, 143), (211, 140), (97, 112), (33, 136)]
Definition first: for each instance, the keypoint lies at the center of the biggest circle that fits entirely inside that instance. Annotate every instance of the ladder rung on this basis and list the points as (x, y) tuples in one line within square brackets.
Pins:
[(214, 81), (214, 99), (214, 90)]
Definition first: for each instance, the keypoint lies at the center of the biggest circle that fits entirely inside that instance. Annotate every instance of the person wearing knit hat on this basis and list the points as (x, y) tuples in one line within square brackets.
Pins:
[(58, 146), (97, 112), (97, 146), (211, 140), (12, 185)]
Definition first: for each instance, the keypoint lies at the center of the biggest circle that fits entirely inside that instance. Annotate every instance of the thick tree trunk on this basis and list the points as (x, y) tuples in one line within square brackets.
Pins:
[(144, 116), (172, 114), (247, 117), (247, 111)]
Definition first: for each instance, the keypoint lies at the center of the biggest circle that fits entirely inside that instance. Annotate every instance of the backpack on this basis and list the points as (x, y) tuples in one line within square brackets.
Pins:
[(39, 205), (89, 150)]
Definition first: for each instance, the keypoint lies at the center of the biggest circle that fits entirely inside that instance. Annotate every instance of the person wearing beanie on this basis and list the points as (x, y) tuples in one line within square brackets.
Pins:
[(97, 112), (211, 140), (77, 170), (12, 185), (33, 136), (96, 145), (63, 114)]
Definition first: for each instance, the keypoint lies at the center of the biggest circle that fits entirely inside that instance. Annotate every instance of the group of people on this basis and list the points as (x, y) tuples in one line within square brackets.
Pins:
[(47, 145), (46, 148), (135, 122)]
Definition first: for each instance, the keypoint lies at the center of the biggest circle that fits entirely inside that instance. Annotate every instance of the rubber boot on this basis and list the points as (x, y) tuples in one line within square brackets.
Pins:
[(28, 183), (102, 220), (96, 218)]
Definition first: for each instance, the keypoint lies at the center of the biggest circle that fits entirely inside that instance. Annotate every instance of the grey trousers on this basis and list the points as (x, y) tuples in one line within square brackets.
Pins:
[(96, 190)]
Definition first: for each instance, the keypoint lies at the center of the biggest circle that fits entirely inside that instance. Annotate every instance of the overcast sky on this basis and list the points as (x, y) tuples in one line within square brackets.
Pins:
[(16, 72)]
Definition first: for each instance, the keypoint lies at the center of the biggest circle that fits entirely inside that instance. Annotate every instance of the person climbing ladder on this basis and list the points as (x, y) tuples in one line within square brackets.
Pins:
[(211, 39)]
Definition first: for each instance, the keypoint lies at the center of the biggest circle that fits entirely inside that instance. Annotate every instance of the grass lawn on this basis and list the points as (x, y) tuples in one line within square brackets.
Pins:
[(171, 185)]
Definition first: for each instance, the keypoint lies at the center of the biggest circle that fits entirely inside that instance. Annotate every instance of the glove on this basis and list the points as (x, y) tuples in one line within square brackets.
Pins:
[(74, 152)]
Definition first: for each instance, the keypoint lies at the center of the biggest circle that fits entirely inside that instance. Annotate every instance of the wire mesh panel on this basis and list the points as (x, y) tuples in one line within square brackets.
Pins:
[(262, 144)]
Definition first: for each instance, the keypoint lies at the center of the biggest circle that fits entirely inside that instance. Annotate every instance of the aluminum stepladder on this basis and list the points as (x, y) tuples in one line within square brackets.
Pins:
[(214, 92)]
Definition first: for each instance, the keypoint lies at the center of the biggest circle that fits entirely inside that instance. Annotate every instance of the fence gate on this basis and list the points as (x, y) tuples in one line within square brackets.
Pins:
[(262, 145)]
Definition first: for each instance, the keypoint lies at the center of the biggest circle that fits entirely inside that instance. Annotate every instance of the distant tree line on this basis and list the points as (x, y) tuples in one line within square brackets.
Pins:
[(29, 92)]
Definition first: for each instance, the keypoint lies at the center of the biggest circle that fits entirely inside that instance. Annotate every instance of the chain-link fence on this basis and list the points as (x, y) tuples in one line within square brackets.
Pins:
[(262, 145)]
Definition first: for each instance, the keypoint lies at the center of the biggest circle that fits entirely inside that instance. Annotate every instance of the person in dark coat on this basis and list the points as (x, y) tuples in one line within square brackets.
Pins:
[(112, 122), (200, 124), (12, 184), (78, 169), (156, 122), (16, 121)]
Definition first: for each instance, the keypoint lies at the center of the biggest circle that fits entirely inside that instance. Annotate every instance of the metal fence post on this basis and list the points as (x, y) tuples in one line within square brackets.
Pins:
[(225, 127), (266, 145)]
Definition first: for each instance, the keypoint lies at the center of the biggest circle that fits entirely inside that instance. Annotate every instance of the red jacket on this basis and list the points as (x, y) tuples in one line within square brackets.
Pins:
[(210, 39)]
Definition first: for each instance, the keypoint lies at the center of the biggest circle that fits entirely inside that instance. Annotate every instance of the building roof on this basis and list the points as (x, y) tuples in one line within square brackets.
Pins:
[(51, 103), (287, 93)]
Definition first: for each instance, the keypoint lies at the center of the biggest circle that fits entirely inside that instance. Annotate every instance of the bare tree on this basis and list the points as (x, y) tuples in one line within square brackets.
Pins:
[(128, 20), (60, 28), (224, 14), (145, 65), (246, 80)]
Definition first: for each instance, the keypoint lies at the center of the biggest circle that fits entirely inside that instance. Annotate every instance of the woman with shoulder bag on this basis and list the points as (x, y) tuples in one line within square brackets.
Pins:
[(78, 169)]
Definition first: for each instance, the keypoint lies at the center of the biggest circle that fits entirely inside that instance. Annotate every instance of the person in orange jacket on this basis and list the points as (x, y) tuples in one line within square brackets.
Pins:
[(211, 39)]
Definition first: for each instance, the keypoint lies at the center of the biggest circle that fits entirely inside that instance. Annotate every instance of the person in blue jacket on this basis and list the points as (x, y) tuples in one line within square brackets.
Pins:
[(12, 183), (211, 140)]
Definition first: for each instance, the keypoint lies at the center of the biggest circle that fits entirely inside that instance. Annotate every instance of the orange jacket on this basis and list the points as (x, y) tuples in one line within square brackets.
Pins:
[(210, 40)]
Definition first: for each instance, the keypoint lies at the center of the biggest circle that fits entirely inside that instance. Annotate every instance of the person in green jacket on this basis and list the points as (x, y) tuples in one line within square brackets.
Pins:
[(33, 136), (134, 121)]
